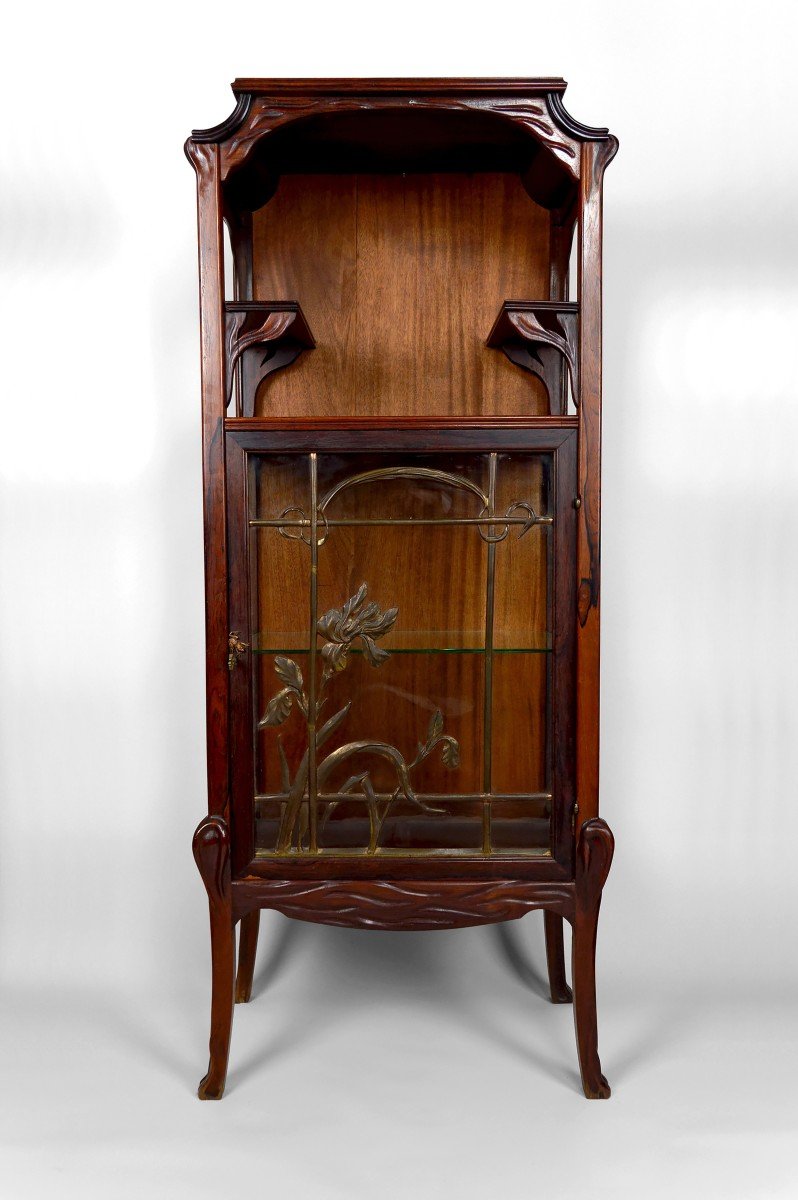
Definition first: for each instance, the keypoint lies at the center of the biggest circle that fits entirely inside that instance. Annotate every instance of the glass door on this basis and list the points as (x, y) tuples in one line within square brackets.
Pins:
[(409, 669)]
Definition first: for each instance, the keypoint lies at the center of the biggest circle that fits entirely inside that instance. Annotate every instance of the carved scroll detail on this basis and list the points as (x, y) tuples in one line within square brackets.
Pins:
[(594, 853), (529, 333), (570, 125), (267, 114), (411, 904), (532, 115), (264, 116), (531, 330), (211, 846), (280, 326)]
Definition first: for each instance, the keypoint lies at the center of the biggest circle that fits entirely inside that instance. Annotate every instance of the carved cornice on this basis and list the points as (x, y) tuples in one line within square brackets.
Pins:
[(535, 104), (263, 105), (268, 113), (218, 133), (568, 124), (411, 904)]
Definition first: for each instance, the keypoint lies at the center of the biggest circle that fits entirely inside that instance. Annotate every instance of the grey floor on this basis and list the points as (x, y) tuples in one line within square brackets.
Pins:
[(399, 1065)]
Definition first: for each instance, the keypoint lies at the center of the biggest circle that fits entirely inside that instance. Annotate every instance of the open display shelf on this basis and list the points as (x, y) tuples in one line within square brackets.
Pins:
[(402, 517)]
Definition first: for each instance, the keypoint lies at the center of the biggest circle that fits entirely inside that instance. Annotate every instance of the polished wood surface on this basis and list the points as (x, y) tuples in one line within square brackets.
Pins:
[(595, 849), (413, 87), (595, 158), (398, 218), (401, 278), (417, 904), (247, 950), (555, 959), (211, 847), (401, 695)]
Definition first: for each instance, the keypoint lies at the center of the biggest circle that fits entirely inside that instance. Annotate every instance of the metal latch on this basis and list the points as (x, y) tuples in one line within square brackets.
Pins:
[(236, 649)]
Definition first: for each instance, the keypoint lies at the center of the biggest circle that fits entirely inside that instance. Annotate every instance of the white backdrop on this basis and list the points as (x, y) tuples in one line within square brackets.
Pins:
[(103, 922)]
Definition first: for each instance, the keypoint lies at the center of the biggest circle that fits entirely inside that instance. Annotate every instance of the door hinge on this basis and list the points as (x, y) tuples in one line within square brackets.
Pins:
[(574, 815), (235, 649)]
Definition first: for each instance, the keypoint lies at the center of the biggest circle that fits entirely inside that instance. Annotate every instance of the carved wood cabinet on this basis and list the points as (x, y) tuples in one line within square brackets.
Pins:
[(400, 304)]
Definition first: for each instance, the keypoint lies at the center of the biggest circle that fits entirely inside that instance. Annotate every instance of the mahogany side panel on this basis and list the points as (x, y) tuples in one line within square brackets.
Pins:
[(204, 157), (411, 904), (595, 157)]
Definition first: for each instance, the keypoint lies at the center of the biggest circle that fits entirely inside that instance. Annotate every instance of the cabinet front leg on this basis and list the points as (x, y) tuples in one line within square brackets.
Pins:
[(555, 958), (212, 855), (593, 859), (247, 947)]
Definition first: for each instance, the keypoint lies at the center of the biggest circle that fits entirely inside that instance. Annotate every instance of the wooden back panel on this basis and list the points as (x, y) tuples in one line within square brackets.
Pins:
[(401, 278)]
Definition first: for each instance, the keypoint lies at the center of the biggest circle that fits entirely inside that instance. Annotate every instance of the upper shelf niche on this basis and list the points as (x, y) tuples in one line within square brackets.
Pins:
[(400, 226)]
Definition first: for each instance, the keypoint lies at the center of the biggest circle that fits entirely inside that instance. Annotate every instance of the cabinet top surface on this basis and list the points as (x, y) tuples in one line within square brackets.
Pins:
[(497, 86)]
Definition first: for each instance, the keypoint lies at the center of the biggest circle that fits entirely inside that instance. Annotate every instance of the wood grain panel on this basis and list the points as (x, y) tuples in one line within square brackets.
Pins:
[(395, 702), (521, 592), (521, 573), (411, 904), (519, 722), (434, 575), (401, 278), (282, 609), (281, 613), (305, 249)]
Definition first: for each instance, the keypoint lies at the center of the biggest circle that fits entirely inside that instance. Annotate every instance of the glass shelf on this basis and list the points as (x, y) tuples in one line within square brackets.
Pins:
[(292, 650)]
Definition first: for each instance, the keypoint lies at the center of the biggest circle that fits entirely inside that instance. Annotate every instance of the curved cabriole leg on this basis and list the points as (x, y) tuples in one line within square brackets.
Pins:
[(247, 946), (212, 855), (593, 858), (555, 958)]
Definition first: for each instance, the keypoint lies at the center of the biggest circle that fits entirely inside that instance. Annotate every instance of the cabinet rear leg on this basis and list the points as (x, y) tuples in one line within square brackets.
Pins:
[(247, 947), (555, 958), (212, 855), (593, 858)]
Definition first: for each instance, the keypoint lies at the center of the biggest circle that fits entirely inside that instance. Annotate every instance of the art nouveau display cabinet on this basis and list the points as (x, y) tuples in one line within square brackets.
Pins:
[(400, 287)]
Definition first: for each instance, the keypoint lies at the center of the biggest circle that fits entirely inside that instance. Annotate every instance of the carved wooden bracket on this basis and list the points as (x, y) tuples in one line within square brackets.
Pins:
[(278, 328), (542, 336)]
